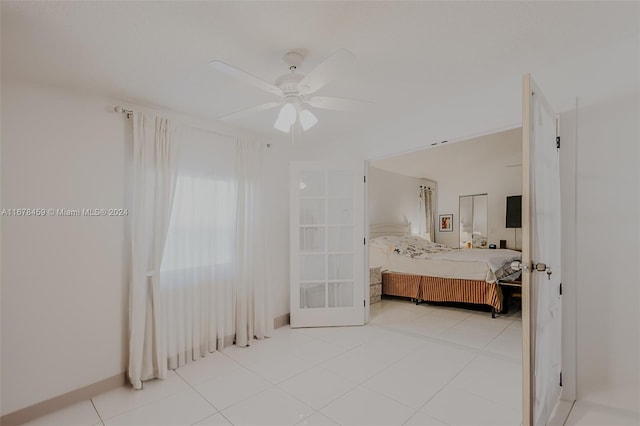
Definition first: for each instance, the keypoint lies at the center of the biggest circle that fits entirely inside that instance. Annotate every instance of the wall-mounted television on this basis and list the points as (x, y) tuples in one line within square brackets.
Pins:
[(514, 211)]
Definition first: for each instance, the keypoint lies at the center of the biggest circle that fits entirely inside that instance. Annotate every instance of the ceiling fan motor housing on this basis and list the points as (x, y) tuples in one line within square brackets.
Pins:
[(288, 83), (293, 59)]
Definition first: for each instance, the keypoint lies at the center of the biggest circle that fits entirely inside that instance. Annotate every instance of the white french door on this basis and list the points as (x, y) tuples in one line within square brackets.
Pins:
[(541, 287), (327, 244)]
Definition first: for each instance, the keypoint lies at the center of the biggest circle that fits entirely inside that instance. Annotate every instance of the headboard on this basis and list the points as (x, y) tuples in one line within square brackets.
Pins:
[(385, 229)]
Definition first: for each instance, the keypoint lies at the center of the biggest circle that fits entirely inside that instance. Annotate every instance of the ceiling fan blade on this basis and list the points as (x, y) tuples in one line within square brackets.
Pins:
[(248, 111), (244, 76), (326, 71), (339, 104)]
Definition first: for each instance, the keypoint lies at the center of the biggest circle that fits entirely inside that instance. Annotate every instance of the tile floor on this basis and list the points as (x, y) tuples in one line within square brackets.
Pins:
[(411, 365)]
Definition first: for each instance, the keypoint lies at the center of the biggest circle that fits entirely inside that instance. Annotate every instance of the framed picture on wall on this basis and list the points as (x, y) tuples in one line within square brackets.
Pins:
[(446, 223)]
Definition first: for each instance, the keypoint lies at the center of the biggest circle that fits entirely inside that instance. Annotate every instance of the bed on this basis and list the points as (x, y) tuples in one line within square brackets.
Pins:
[(424, 271)]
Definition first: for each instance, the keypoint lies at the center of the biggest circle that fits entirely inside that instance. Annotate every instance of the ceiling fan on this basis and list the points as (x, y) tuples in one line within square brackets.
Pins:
[(296, 90)]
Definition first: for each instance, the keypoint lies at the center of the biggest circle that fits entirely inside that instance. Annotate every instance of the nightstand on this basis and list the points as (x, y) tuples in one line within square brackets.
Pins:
[(375, 283), (510, 288)]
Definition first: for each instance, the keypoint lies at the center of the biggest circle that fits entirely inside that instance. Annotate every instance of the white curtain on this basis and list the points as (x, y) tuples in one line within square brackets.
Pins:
[(198, 265), (198, 269), (154, 177), (426, 213), (252, 296)]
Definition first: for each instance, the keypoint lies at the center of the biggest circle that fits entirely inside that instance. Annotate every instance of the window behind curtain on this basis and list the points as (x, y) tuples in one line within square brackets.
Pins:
[(198, 265), (203, 217), (202, 227)]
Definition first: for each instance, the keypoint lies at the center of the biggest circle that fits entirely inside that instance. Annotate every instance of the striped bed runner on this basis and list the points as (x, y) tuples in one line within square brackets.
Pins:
[(435, 289), (403, 285)]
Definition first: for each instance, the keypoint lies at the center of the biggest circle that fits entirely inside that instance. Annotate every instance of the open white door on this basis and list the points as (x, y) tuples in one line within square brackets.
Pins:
[(541, 287), (327, 244)]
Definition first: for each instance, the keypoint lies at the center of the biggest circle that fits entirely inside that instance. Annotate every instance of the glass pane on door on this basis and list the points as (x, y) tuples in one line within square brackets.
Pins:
[(340, 211), (341, 294), (336, 184), (312, 295), (313, 267), (312, 211), (340, 239), (312, 239), (340, 266), (312, 184)]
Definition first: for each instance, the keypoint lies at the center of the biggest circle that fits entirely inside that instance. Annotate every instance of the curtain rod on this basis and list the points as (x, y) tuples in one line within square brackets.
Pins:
[(129, 114)]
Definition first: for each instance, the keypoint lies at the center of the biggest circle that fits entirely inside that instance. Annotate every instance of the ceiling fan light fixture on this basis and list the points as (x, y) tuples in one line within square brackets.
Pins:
[(307, 119), (296, 91), (286, 118)]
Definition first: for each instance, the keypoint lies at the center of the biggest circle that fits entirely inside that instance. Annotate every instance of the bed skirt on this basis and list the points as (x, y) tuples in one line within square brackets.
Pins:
[(435, 289)]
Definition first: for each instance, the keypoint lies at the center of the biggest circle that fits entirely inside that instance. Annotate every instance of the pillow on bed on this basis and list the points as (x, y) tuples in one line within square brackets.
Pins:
[(385, 241), (423, 244), (479, 240), (418, 248)]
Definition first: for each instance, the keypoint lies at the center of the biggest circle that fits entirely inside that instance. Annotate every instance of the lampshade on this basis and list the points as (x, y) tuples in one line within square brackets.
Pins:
[(286, 118), (307, 119)]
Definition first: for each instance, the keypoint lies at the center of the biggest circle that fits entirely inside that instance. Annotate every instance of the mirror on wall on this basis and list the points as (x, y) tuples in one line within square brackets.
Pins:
[(474, 225)]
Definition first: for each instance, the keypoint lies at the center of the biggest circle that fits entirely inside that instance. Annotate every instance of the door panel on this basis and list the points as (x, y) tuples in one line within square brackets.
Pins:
[(541, 245), (327, 244)]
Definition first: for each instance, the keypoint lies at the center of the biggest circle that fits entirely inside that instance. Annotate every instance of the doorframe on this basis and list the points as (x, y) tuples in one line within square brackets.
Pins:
[(568, 130), (568, 199), (569, 300), (340, 318), (367, 273), (527, 356)]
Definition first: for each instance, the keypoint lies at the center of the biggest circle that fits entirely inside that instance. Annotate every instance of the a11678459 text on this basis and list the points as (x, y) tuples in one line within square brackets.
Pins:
[(61, 212)]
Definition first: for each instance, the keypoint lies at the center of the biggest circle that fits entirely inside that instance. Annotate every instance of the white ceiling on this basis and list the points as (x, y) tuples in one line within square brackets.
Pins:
[(500, 150), (410, 55)]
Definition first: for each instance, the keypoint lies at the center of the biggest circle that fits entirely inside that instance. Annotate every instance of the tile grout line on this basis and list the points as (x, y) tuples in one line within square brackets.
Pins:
[(489, 400), (325, 405), (146, 403), (166, 396), (448, 383), (96, 410), (196, 391), (220, 410)]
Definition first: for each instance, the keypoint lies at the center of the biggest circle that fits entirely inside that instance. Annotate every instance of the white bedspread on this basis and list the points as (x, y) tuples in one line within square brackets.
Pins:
[(410, 255), (494, 258)]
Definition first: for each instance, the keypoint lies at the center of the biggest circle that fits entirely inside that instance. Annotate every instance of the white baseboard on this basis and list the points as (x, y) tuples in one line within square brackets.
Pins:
[(57, 403), (281, 321)]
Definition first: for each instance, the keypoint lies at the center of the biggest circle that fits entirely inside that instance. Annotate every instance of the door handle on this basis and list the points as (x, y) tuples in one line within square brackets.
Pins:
[(542, 267), (518, 266), (539, 267)]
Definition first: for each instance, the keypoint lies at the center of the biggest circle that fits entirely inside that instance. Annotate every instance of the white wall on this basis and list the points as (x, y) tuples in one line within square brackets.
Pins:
[(277, 160), (605, 81), (64, 298), (608, 249), (393, 198), (495, 180), (64, 279)]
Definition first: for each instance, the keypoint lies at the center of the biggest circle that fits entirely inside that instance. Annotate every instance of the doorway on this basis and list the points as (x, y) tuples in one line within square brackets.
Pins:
[(491, 165)]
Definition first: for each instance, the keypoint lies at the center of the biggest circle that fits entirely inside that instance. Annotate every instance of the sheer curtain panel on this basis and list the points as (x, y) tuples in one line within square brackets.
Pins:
[(427, 221), (198, 274), (154, 178), (198, 265), (253, 298)]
